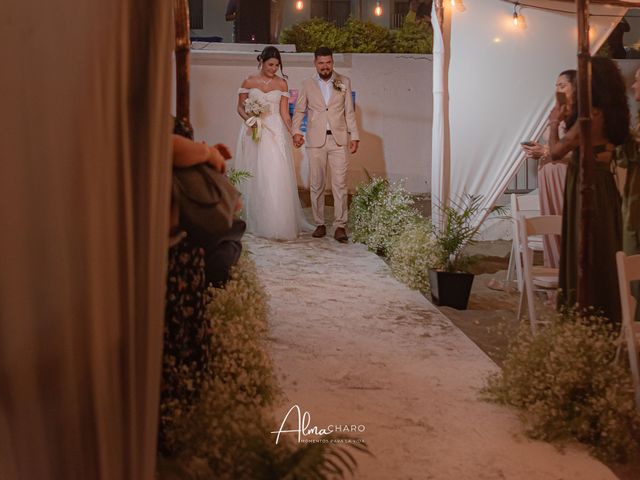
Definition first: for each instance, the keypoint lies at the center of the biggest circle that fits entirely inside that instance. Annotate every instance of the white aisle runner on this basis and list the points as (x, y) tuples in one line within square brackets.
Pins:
[(354, 347)]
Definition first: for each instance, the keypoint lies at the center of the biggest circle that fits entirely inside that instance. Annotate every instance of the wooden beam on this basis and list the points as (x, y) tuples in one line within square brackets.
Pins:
[(613, 3), (183, 44), (585, 195)]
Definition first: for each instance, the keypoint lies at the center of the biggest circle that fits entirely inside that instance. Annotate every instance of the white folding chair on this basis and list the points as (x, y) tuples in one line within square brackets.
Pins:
[(541, 280), (628, 271), (529, 206)]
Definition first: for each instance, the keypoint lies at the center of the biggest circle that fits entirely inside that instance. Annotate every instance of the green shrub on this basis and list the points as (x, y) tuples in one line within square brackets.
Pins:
[(308, 35), (358, 37), (568, 386), (366, 37), (379, 213), (411, 255), (413, 38)]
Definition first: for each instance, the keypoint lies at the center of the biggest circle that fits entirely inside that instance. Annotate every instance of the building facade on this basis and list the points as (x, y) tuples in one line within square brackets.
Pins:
[(208, 16)]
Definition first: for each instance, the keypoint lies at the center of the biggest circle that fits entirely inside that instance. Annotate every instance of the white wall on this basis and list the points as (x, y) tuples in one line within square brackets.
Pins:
[(393, 108)]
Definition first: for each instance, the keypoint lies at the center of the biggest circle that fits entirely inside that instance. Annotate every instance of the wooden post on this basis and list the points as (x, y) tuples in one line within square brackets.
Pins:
[(585, 195), (440, 14), (183, 44)]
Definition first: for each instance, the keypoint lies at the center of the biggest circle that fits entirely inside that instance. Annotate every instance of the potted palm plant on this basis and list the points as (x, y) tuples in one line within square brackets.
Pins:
[(449, 279)]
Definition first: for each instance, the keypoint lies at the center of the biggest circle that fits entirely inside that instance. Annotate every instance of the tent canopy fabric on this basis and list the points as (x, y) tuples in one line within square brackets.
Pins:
[(495, 88)]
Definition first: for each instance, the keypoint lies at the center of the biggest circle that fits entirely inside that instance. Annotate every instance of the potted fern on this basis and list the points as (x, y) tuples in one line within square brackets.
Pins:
[(449, 279)]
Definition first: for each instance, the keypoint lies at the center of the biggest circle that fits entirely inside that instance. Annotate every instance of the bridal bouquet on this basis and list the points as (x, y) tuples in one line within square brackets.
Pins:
[(255, 107)]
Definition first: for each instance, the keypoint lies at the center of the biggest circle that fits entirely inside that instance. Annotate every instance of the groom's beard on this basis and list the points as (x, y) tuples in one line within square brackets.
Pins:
[(325, 76)]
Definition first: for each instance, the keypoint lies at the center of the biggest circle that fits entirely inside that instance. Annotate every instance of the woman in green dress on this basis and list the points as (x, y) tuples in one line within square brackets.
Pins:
[(629, 158), (610, 127)]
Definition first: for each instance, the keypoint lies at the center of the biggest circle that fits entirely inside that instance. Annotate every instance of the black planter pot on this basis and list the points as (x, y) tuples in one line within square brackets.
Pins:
[(450, 289)]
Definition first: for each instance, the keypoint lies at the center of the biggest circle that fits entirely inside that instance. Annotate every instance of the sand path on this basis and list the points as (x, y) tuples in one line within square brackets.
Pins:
[(353, 346)]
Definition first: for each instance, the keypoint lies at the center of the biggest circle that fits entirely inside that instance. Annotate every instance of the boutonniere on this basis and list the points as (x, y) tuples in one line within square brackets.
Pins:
[(338, 85)]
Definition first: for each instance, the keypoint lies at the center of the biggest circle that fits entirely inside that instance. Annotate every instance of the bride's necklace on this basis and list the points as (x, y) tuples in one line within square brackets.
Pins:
[(265, 82)]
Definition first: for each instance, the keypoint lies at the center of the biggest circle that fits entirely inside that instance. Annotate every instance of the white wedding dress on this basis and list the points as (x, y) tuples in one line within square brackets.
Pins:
[(271, 206)]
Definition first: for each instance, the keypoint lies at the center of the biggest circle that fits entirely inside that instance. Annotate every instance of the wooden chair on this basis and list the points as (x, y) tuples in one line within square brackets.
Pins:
[(529, 206), (628, 271), (540, 280)]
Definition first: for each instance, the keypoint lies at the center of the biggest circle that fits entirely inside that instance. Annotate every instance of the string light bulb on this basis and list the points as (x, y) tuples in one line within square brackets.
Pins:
[(458, 5), (518, 18), (378, 10), (299, 5)]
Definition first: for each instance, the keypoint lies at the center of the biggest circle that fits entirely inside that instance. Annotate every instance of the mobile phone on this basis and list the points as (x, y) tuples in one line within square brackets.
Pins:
[(561, 98), (528, 144)]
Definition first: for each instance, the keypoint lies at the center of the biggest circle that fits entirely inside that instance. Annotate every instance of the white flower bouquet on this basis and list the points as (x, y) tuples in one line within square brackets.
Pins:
[(255, 107)]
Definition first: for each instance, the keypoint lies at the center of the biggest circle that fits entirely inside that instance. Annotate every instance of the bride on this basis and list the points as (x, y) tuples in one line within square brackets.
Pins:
[(270, 196)]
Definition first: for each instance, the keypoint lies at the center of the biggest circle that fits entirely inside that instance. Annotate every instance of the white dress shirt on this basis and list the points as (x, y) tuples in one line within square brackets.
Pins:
[(326, 88)]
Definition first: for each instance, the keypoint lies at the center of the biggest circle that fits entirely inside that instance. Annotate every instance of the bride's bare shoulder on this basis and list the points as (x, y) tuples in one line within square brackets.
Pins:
[(249, 82), (282, 84)]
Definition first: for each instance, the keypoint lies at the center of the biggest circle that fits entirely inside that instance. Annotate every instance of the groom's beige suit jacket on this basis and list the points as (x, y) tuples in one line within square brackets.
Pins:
[(338, 116)]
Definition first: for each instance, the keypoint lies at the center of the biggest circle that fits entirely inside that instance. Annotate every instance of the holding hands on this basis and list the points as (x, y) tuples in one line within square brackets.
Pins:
[(298, 140)]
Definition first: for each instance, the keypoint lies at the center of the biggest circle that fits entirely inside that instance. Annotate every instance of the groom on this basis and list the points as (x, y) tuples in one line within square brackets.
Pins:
[(330, 120)]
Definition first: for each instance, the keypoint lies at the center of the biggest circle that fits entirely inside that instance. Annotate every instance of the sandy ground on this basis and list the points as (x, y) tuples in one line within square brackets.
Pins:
[(353, 346)]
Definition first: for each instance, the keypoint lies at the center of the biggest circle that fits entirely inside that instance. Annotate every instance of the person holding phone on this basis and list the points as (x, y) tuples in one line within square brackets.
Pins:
[(609, 128), (552, 174)]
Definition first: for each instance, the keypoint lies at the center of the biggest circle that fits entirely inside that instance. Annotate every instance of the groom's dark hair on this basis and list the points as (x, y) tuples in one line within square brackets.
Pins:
[(323, 52)]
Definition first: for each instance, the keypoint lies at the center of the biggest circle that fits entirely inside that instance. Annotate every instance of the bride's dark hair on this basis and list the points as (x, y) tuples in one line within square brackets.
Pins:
[(271, 52)]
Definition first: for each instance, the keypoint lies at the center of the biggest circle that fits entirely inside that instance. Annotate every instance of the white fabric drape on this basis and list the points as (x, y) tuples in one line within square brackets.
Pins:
[(84, 182), (499, 85)]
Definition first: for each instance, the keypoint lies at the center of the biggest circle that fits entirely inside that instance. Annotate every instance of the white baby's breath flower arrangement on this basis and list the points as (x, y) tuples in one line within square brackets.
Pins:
[(413, 252), (380, 212), (339, 86), (568, 385), (255, 107), (226, 434)]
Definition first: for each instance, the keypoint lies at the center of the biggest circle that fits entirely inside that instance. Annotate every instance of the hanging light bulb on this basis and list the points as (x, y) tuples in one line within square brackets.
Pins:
[(299, 5), (378, 10), (518, 18)]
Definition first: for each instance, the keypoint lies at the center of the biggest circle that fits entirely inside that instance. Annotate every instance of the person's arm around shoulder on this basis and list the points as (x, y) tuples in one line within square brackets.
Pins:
[(350, 116)]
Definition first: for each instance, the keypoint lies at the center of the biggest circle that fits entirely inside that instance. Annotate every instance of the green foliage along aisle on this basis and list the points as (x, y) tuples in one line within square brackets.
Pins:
[(567, 384), (383, 217), (226, 435), (411, 255), (379, 213)]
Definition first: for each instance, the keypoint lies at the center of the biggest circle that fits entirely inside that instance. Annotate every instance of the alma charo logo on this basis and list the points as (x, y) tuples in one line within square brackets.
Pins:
[(304, 429)]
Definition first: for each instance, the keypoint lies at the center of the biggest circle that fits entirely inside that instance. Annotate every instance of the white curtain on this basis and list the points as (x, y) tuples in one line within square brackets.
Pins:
[(84, 199), (499, 85)]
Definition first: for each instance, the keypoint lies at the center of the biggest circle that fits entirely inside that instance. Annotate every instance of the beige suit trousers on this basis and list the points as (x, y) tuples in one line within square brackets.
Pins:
[(336, 157)]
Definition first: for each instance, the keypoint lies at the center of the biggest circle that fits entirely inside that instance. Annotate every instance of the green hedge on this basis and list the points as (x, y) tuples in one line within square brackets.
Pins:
[(358, 37)]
